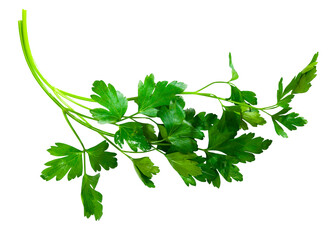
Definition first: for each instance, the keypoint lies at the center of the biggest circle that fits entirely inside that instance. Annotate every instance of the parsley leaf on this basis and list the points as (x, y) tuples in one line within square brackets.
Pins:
[(91, 198), (132, 133), (111, 99), (253, 117), (200, 121), (99, 157), (70, 163), (179, 132), (244, 147), (302, 82), (291, 121), (145, 169), (184, 164), (151, 95), (224, 129), (234, 74)]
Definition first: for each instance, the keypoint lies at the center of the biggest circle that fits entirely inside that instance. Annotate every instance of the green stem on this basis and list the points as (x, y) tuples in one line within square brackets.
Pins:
[(80, 114), (28, 51), (210, 95), (148, 119), (132, 99), (75, 96), (86, 124), (76, 134), (70, 99), (212, 84), (25, 45), (115, 146)]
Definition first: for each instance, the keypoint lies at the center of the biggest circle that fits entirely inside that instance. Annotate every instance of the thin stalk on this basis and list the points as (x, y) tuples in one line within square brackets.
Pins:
[(225, 99), (75, 96), (86, 124), (80, 114), (28, 51), (71, 100), (212, 84), (76, 134), (38, 80)]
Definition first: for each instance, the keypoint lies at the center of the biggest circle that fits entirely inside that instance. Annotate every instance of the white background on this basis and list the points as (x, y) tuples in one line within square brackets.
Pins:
[(287, 193)]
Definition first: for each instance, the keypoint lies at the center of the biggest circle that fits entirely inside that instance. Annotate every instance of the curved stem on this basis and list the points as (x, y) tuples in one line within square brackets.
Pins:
[(28, 51), (212, 84), (24, 45), (75, 96), (70, 99)]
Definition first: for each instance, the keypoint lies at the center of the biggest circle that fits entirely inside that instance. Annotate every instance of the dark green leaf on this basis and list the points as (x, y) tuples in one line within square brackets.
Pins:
[(179, 132), (149, 132), (244, 147), (132, 133), (99, 157), (189, 180), (234, 74), (226, 166), (71, 163), (209, 174), (224, 129), (200, 121), (90, 197), (111, 99), (291, 121), (151, 95), (250, 97), (236, 94), (184, 164)]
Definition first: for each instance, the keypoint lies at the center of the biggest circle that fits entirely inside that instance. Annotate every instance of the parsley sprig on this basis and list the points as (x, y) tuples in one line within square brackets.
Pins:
[(163, 124)]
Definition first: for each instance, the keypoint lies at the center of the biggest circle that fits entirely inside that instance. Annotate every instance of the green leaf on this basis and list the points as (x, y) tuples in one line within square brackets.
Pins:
[(180, 133), (183, 163), (284, 103), (250, 97), (132, 133), (236, 94), (280, 90), (226, 166), (99, 157), (111, 99), (149, 132), (253, 118), (279, 130), (91, 198), (71, 163), (189, 180), (244, 147), (291, 121), (151, 95), (209, 174), (146, 166), (234, 74), (302, 82), (200, 121), (224, 129)]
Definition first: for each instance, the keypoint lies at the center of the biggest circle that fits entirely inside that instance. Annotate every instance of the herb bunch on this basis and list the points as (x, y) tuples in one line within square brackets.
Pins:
[(163, 124)]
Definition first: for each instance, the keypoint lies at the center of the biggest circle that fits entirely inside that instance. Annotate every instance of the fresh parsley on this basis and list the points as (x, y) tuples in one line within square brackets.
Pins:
[(162, 123)]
